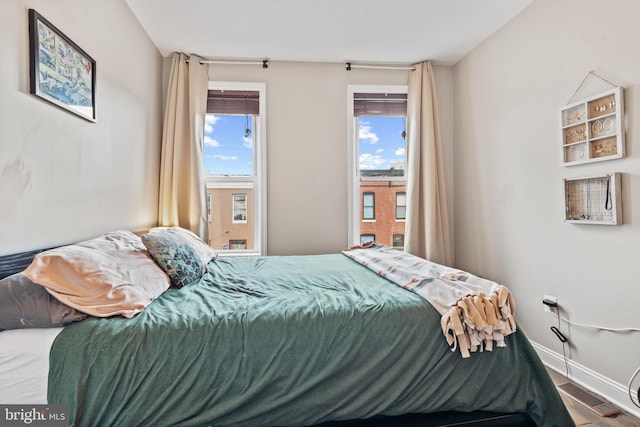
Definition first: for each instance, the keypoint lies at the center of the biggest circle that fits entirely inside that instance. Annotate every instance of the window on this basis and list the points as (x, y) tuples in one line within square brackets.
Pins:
[(377, 159), (368, 206), (398, 241), (240, 208), (401, 205), (235, 167), (365, 238), (238, 244)]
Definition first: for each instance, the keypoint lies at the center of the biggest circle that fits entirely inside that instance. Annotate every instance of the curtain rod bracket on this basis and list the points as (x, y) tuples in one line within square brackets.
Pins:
[(265, 63), (348, 66)]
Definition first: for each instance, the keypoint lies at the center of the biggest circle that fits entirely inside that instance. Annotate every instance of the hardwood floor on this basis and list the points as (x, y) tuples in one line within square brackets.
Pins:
[(585, 417)]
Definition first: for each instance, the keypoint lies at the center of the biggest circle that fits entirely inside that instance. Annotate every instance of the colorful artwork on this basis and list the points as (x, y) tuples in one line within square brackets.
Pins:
[(61, 72)]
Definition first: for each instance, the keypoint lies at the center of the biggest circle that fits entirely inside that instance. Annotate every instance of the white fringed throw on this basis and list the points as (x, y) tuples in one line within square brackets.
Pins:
[(475, 312)]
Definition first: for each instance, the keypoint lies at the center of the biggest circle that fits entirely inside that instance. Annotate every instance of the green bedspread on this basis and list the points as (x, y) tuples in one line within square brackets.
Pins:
[(286, 341)]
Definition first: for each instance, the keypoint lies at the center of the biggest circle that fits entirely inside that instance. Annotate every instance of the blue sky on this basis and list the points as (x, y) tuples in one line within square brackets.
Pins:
[(227, 151), (380, 141)]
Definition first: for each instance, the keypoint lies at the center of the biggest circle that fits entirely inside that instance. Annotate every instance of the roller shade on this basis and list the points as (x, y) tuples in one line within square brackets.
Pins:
[(380, 104), (242, 102)]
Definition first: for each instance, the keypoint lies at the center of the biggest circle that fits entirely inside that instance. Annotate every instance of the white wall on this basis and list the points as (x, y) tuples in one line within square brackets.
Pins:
[(508, 176), (307, 146), (63, 178)]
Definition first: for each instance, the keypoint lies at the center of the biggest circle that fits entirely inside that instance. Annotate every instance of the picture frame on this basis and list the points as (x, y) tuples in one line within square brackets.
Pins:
[(60, 71)]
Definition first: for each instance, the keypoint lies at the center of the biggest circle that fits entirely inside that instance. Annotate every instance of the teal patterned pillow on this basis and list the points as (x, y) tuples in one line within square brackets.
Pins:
[(176, 256)]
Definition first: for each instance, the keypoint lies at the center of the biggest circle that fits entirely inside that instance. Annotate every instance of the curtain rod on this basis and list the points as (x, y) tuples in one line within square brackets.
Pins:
[(264, 62), (349, 66)]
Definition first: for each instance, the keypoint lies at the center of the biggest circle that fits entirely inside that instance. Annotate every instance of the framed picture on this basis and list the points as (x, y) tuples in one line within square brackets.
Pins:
[(61, 72)]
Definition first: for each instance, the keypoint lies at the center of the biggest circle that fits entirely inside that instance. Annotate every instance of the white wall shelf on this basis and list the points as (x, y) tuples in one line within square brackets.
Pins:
[(593, 129), (593, 199)]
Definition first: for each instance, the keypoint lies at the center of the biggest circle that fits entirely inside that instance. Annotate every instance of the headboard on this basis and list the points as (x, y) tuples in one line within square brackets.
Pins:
[(15, 263)]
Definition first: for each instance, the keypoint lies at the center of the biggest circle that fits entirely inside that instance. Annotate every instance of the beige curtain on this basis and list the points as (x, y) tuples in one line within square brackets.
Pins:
[(427, 230), (182, 198)]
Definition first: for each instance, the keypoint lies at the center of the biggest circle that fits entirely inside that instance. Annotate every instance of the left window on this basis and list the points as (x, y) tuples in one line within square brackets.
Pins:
[(235, 167)]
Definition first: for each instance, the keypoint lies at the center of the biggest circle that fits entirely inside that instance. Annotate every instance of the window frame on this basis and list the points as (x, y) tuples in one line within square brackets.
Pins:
[(353, 186), (372, 238), (405, 206), (373, 206), (258, 181), (393, 240), (237, 242), (235, 208)]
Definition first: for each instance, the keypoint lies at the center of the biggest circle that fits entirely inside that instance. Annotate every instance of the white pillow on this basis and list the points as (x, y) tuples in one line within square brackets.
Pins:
[(110, 275)]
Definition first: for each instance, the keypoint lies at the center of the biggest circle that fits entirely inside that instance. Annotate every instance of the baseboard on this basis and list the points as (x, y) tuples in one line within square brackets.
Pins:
[(609, 389)]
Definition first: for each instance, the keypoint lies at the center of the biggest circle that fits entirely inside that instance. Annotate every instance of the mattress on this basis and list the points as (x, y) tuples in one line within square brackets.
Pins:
[(24, 365)]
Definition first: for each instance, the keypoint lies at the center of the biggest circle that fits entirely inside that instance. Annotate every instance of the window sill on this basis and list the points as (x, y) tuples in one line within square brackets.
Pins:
[(222, 253)]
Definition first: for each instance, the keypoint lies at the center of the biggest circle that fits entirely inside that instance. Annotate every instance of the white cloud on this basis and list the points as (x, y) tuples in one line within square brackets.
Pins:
[(210, 142), (366, 135), (370, 161), (247, 141), (400, 151), (209, 121), (221, 157)]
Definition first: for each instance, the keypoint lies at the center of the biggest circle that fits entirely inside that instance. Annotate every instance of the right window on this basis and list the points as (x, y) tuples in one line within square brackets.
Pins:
[(378, 147)]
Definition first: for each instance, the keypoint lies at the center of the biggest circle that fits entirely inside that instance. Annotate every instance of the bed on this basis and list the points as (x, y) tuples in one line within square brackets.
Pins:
[(276, 341)]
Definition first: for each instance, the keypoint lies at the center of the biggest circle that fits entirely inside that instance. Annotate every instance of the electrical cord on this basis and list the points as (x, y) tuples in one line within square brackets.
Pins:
[(584, 325), (564, 343), (636, 400), (556, 312)]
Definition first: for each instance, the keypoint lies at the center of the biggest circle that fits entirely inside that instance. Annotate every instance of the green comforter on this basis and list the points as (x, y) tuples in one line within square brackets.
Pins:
[(286, 341)]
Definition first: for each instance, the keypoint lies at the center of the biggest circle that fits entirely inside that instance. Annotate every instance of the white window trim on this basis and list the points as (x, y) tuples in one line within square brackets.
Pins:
[(260, 165), (352, 155)]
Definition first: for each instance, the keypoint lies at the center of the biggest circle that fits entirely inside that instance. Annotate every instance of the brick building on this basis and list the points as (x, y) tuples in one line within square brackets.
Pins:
[(231, 218), (383, 206), (382, 211)]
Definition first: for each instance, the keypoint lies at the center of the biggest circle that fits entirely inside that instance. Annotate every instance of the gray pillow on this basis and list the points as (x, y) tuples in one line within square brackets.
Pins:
[(25, 304)]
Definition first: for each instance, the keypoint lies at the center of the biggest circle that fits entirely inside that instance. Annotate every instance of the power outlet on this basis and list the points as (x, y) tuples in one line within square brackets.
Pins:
[(549, 298)]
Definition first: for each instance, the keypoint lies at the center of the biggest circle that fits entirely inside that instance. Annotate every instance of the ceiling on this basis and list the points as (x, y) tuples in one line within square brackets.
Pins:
[(361, 31)]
